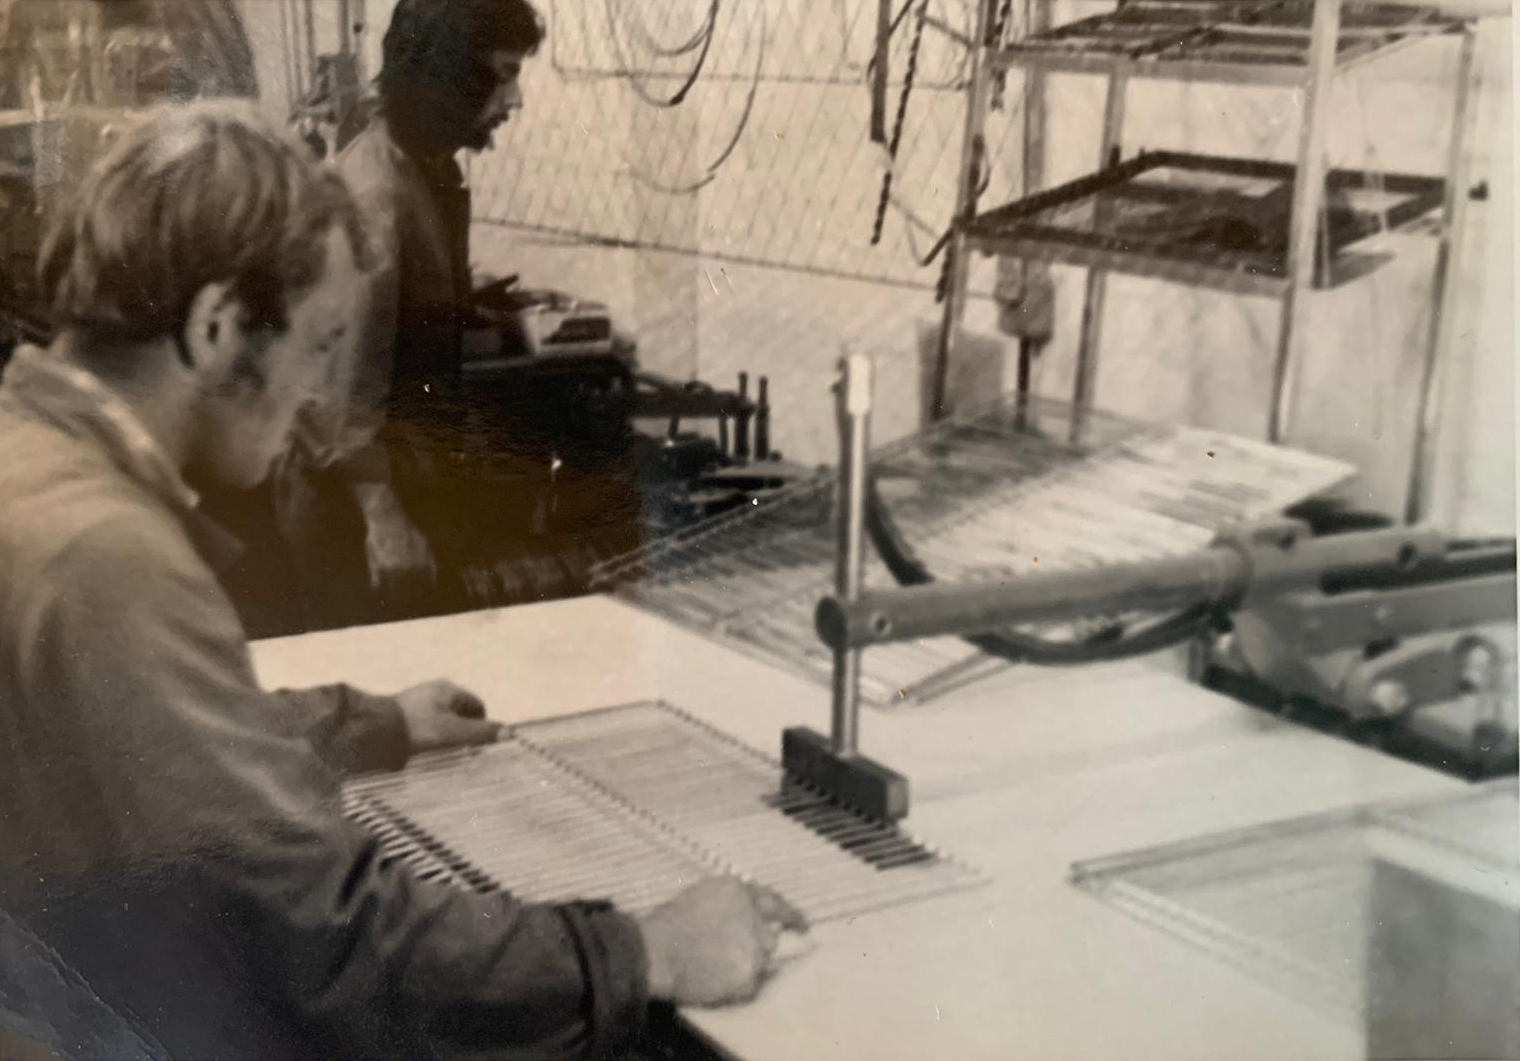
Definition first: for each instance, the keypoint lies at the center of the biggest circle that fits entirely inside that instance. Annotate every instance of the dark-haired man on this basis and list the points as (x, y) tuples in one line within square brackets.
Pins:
[(383, 440), (171, 850)]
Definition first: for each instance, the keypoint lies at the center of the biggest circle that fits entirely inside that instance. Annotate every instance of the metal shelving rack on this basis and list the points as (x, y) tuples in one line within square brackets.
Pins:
[(1125, 217)]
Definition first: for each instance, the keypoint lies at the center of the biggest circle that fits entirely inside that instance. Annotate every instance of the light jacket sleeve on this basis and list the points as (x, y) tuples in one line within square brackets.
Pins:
[(137, 649), (341, 431)]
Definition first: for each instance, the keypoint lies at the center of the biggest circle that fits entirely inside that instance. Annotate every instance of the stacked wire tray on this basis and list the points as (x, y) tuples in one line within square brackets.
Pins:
[(1289, 902), (1251, 41), (631, 804), (1017, 488), (1203, 220)]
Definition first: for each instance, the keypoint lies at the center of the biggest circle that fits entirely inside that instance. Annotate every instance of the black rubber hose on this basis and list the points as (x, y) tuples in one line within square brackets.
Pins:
[(1105, 646)]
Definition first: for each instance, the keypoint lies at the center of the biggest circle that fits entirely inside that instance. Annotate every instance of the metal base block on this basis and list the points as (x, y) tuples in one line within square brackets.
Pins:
[(1485, 754), (854, 781)]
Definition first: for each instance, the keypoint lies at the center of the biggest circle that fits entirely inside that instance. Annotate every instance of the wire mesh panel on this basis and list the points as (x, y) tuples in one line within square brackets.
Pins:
[(1289, 902), (1016, 489), (1254, 33), (632, 803), (504, 817), (1202, 220)]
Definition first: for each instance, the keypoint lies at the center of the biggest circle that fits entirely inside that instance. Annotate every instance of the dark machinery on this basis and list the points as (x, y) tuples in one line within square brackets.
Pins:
[(1378, 625), (21, 318), (570, 392), (1418, 660)]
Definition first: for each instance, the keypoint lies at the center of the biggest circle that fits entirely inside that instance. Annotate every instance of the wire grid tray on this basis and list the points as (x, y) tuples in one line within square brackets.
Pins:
[(1204, 220), (632, 803), (1289, 902), (988, 496), (1227, 40)]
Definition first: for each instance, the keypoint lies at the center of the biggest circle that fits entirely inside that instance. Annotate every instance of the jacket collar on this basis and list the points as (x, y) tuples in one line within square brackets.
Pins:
[(44, 386)]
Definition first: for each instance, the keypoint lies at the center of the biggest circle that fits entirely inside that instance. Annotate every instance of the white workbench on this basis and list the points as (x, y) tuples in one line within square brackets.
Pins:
[(1018, 776)]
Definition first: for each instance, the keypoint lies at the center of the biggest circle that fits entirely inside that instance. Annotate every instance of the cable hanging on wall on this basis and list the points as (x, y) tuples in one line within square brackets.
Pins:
[(793, 151), (902, 114), (922, 19), (700, 43)]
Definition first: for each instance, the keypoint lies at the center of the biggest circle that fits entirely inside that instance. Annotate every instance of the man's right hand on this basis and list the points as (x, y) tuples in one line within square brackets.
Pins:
[(712, 944), (397, 551)]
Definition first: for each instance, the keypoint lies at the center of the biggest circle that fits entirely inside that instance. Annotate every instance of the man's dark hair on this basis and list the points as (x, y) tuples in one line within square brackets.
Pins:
[(436, 71), (201, 194)]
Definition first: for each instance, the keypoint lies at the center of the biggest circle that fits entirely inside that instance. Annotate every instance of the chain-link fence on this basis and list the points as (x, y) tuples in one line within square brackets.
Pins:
[(743, 131)]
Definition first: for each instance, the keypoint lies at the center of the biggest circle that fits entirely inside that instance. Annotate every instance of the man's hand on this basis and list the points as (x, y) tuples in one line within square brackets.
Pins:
[(398, 552), (439, 714), (712, 944)]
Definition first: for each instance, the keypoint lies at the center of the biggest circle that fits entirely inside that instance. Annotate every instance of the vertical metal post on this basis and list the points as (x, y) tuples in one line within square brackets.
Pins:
[(1036, 21), (345, 39), (1308, 198), (1443, 318), (1097, 280), (1023, 383), (850, 504), (741, 421), (763, 421), (965, 208), (833, 764)]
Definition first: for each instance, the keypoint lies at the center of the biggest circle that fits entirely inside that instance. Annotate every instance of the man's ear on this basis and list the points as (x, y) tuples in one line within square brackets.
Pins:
[(213, 338)]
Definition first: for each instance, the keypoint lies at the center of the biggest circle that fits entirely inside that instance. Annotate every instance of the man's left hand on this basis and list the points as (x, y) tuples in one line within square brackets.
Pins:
[(439, 715)]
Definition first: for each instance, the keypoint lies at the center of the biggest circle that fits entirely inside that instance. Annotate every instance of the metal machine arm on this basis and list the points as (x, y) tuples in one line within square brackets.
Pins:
[(1258, 563), (1355, 592)]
